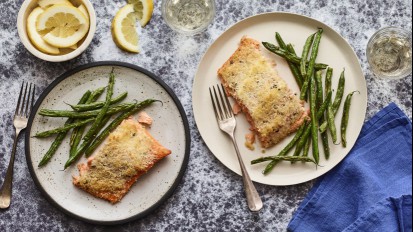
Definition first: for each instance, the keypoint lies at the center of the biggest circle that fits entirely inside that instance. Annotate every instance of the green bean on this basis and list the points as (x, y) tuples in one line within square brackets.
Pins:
[(307, 147), (298, 150), (115, 123), (77, 133), (314, 120), (311, 63), (304, 56), (302, 141), (337, 100), (340, 93), (286, 149), (283, 158), (87, 114), (304, 89), (326, 145), (345, 118), (314, 50), (99, 104), (77, 138), (323, 127), (60, 137), (331, 124), (65, 128), (96, 94), (319, 89), (293, 67), (280, 40), (91, 134), (328, 81), (288, 56), (290, 49), (324, 136)]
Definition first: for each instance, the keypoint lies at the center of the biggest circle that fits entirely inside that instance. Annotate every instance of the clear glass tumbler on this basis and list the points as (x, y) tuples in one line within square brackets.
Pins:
[(188, 16), (389, 53)]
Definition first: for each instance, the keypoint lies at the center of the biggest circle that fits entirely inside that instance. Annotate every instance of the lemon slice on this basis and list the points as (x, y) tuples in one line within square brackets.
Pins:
[(124, 31), (35, 36), (68, 25), (143, 10), (46, 3), (83, 9)]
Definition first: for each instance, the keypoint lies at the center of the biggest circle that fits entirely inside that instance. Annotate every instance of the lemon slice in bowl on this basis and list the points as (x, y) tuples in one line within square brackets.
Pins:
[(124, 31), (67, 25), (83, 9), (143, 10), (35, 36), (46, 3)]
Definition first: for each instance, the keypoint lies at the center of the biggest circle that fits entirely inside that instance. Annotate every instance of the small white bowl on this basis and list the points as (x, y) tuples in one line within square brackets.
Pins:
[(28, 6)]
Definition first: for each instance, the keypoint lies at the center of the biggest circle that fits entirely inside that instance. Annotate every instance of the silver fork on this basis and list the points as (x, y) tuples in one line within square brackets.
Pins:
[(20, 119), (227, 123)]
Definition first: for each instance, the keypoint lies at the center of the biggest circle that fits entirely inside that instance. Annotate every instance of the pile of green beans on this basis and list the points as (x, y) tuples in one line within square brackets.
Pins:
[(89, 111), (323, 109)]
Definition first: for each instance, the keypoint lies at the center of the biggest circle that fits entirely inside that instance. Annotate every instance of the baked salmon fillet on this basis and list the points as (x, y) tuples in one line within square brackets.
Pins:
[(271, 108), (129, 152)]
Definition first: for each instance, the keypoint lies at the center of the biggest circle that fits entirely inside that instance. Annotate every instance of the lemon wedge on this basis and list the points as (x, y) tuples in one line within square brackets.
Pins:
[(67, 25), (143, 10), (35, 36), (124, 31), (46, 3)]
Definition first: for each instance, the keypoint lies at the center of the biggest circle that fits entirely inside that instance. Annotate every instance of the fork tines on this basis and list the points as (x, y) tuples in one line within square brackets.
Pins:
[(26, 98), (221, 104)]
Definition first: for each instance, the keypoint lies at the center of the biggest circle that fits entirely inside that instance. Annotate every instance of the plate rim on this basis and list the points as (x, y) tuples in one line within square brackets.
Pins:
[(264, 14), (149, 74)]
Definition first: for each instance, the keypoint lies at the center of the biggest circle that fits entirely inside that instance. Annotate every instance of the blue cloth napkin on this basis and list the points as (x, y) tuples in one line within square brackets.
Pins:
[(371, 189)]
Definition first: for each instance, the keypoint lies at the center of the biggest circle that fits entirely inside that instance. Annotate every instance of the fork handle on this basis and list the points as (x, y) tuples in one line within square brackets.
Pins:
[(253, 199), (5, 191)]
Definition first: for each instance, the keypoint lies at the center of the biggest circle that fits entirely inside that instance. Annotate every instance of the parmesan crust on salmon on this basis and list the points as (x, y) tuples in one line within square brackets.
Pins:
[(129, 152), (271, 108)]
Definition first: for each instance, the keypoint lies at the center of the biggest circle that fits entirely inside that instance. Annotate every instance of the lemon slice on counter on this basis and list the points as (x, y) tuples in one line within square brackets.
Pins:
[(67, 25), (143, 10), (35, 36), (124, 31), (46, 3)]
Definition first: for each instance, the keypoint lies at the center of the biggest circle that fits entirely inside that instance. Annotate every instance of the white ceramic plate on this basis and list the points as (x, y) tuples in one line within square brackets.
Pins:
[(170, 128), (334, 50)]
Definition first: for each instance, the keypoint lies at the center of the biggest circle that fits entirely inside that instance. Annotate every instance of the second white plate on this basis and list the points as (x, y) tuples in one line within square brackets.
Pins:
[(334, 51)]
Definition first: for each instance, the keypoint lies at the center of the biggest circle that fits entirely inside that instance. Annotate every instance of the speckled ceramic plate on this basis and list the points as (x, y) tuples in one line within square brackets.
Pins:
[(334, 50), (170, 128)]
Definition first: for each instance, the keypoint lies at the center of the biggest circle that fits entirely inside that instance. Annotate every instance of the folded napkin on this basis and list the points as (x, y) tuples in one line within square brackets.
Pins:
[(371, 189)]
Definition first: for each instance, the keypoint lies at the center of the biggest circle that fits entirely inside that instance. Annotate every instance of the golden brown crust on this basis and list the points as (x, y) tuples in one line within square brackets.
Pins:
[(129, 152), (270, 107)]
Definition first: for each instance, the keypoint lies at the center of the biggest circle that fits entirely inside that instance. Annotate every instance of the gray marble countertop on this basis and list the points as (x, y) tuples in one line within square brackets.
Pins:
[(210, 196)]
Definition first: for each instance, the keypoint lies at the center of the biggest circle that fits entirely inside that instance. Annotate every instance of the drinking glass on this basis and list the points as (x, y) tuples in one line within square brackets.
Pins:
[(389, 53), (188, 16)]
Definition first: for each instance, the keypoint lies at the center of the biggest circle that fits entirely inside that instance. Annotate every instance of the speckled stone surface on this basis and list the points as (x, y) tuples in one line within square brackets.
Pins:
[(210, 197)]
